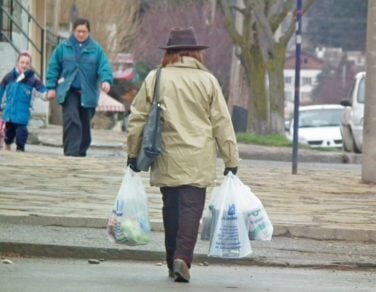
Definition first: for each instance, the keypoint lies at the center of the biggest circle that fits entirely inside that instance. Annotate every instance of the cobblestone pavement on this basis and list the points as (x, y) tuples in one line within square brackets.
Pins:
[(326, 204)]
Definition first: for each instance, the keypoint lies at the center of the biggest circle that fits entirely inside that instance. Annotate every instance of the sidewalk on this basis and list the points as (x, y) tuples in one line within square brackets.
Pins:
[(59, 206)]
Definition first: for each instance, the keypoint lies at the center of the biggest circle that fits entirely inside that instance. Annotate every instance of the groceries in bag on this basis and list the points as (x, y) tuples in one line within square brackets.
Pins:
[(260, 226), (129, 220)]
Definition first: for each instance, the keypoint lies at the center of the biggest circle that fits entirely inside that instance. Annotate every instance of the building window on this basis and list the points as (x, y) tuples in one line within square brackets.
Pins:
[(288, 80), (306, 81)]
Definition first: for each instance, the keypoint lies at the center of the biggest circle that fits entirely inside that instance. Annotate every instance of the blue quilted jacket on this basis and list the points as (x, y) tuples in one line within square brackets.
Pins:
[(16, 105)]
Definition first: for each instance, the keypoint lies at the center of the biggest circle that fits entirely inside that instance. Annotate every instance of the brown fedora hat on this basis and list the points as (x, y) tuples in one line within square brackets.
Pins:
[(183, 39)]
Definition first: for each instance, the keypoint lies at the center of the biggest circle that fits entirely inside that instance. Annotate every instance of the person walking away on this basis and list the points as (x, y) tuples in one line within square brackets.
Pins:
[(75, 69), (195, 122), (17, 86)]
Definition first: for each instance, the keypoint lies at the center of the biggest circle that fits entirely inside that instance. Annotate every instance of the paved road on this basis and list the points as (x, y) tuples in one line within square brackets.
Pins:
[(73, 275)]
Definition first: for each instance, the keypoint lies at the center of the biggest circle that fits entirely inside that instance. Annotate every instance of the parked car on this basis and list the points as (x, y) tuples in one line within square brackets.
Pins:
[(319, 125), (352, 119)]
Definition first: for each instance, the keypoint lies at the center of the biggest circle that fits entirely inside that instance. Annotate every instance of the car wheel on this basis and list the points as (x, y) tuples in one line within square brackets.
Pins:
[(347, 139)]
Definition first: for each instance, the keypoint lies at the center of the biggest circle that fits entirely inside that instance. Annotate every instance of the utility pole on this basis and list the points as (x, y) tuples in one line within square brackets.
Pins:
[(298, 42), (56, 117), (369, 124), (56, 16)]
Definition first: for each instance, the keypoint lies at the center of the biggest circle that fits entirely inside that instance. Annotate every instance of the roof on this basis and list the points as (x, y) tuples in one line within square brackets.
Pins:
[(307, 62), (107, 104)]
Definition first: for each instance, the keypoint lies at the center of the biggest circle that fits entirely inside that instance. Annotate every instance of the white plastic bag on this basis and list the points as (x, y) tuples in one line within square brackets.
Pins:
[(207, 224), (260, 226), (129, 221), (229, 238), (258, 222)]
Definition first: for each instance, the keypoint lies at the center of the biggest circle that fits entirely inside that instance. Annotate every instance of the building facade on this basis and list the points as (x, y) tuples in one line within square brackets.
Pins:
[(22, 27)]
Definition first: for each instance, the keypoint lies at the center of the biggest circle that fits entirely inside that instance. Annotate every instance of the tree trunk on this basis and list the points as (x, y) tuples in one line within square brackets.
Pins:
[(369, 130), (276, 89), (258, 103)]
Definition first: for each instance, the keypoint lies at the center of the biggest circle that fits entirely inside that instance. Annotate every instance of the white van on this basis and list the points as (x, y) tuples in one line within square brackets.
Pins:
[(352, 119)]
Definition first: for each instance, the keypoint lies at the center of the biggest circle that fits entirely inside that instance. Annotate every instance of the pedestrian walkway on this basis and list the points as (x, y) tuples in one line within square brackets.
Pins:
[(57, 190)]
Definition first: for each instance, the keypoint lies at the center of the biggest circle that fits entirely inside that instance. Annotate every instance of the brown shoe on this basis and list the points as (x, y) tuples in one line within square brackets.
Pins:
[(7, 147), (181, 271)]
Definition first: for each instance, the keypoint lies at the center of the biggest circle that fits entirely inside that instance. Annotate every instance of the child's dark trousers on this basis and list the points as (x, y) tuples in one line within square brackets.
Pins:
[(16, 132)]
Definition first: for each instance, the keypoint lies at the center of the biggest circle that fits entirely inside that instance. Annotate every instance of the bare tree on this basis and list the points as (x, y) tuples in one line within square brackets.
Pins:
[(159, 19), (261, 43), (369, 130)]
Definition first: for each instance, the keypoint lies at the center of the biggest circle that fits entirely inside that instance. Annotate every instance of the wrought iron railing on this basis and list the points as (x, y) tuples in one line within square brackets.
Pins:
[(9, 24)]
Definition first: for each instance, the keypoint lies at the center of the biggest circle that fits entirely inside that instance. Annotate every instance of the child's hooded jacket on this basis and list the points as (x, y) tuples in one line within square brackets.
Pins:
[(17, 89)]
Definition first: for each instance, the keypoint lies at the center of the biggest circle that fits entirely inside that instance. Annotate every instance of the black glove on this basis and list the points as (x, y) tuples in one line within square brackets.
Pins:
[(132, 162), (234, 170)]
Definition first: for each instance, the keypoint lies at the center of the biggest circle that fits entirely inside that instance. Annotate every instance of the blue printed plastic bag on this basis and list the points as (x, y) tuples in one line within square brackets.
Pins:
[(229, 236)]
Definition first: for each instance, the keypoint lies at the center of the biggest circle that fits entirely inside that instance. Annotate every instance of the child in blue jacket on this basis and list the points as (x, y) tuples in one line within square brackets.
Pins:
[(17, 86)]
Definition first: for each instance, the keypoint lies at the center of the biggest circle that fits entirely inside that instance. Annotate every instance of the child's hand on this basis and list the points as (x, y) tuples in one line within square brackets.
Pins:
[(51, 94)]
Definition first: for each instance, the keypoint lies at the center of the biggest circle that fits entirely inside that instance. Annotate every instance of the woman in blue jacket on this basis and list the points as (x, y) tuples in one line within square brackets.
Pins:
[(18, 85), (75, 69)]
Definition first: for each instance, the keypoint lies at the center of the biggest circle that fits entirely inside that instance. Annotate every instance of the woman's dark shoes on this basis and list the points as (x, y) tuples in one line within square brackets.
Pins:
[(181, 271)]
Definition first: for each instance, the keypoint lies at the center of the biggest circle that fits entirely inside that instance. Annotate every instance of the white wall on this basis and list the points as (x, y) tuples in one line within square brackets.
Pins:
[(8, 58), (305, 88)]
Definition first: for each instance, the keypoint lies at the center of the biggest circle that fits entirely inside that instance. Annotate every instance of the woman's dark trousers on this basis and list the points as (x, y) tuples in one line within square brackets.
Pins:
[(182, 211), (76, 125)]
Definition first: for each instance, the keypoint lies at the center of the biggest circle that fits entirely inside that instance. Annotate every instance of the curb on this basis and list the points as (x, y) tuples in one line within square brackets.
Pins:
[(302, 260), (103, 254), (339, 158), (304, 155), (246, 151), (280, 230)]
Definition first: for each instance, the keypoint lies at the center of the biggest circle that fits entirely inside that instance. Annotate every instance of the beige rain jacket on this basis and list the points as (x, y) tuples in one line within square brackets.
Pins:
[(195, 122)]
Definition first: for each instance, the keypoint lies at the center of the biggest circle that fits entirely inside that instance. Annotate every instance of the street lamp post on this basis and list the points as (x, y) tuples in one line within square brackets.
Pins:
[(298, 42)]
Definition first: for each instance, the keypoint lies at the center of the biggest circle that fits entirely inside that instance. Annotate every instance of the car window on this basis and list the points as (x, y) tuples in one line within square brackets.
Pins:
[(320, 118), (362, 90)]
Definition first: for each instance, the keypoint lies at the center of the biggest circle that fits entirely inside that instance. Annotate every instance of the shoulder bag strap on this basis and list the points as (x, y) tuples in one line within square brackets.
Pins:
[(156, 86), (156, 104)]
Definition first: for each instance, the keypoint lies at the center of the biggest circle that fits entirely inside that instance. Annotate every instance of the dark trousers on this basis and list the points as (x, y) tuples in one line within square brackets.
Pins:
[(18, 132), (182, 211), (76, 125)]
